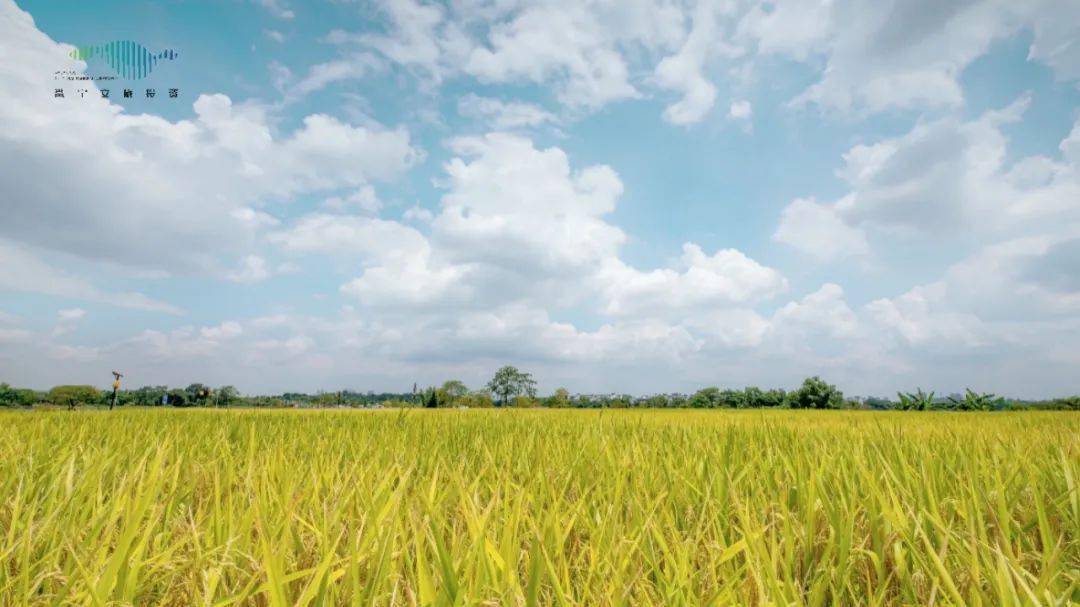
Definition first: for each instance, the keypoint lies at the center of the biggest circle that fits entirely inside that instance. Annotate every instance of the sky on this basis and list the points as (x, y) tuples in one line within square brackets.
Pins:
[(632, 196)]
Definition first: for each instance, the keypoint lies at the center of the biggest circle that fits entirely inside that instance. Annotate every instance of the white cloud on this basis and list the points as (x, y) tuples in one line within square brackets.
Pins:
[(512, 206), (684, 71), (71, 315), (871, 56), (276, 8), (904, 53), (520, 231), (412, 40), (418, 213), (66, 320), (352, 67), (919, 318), (501, 115), (579, 49), (226, 330), (164, 193), (344, 234), (823, 313), (792, 27), (939, 178), (819, 230), (254, 219), (740, 110), (363, 199), (703, 281), (252, 269), (562, 43), (1056, 27)]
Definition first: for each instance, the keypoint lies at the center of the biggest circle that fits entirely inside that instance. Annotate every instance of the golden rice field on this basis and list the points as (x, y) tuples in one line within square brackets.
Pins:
[(539, 507)]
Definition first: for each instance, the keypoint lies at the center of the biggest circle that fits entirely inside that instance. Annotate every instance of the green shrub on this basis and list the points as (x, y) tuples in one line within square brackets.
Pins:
[(73, 396)]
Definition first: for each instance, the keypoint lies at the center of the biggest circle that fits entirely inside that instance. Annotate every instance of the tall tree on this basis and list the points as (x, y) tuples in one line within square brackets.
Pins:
[(815, 393), (227, 395), (509, 382), (454, 389)]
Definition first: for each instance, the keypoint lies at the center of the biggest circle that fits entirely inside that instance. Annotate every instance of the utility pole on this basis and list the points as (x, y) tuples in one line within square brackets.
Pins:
[(115, 388)]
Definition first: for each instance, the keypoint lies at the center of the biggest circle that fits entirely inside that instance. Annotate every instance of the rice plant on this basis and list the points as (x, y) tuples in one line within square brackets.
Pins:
[(539, 507)]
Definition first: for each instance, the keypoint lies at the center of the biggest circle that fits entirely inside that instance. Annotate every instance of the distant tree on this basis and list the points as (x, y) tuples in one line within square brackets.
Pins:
[(816, 394), (915, 401), (561, 398), (774, 398), (73, 396), (197, 394), (657, 401), (178, 398), (16, 397), (325, 399), (973, 401), (874, 402), (454, 389), (478, 398), (430, 398), (509, 382), (226, 396), (706, 398), (146, 396), (524, 401), (753, 397), (733, 399), (1070, 403)]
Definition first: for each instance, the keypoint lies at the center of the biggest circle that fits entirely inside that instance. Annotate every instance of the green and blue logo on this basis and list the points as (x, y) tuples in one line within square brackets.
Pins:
[(128, 59)]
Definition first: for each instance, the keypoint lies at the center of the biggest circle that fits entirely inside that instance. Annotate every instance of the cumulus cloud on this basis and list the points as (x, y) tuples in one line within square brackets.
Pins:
[(1005, 232), (941, 177), (565, 43), (817, 229), (167, 195), (703, 281), (519, 232), (904, 54)]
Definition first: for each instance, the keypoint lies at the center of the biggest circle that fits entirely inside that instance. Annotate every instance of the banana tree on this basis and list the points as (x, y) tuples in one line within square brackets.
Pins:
[(916, 401)]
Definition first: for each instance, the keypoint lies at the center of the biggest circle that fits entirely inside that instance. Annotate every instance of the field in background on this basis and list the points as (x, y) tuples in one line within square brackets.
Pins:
[(522, 507)]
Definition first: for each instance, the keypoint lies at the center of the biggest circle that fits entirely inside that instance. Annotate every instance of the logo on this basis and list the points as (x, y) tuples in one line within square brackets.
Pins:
[(130, 60)]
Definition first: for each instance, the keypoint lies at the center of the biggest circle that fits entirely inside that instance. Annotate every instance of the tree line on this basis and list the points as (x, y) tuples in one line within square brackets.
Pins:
[(510, 387)]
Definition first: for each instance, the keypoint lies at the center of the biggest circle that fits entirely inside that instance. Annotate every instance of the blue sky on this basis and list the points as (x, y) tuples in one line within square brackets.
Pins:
[(638, 196)]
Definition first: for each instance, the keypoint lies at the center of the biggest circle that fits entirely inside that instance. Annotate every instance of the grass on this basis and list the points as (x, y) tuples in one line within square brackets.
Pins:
[(539, 507)]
